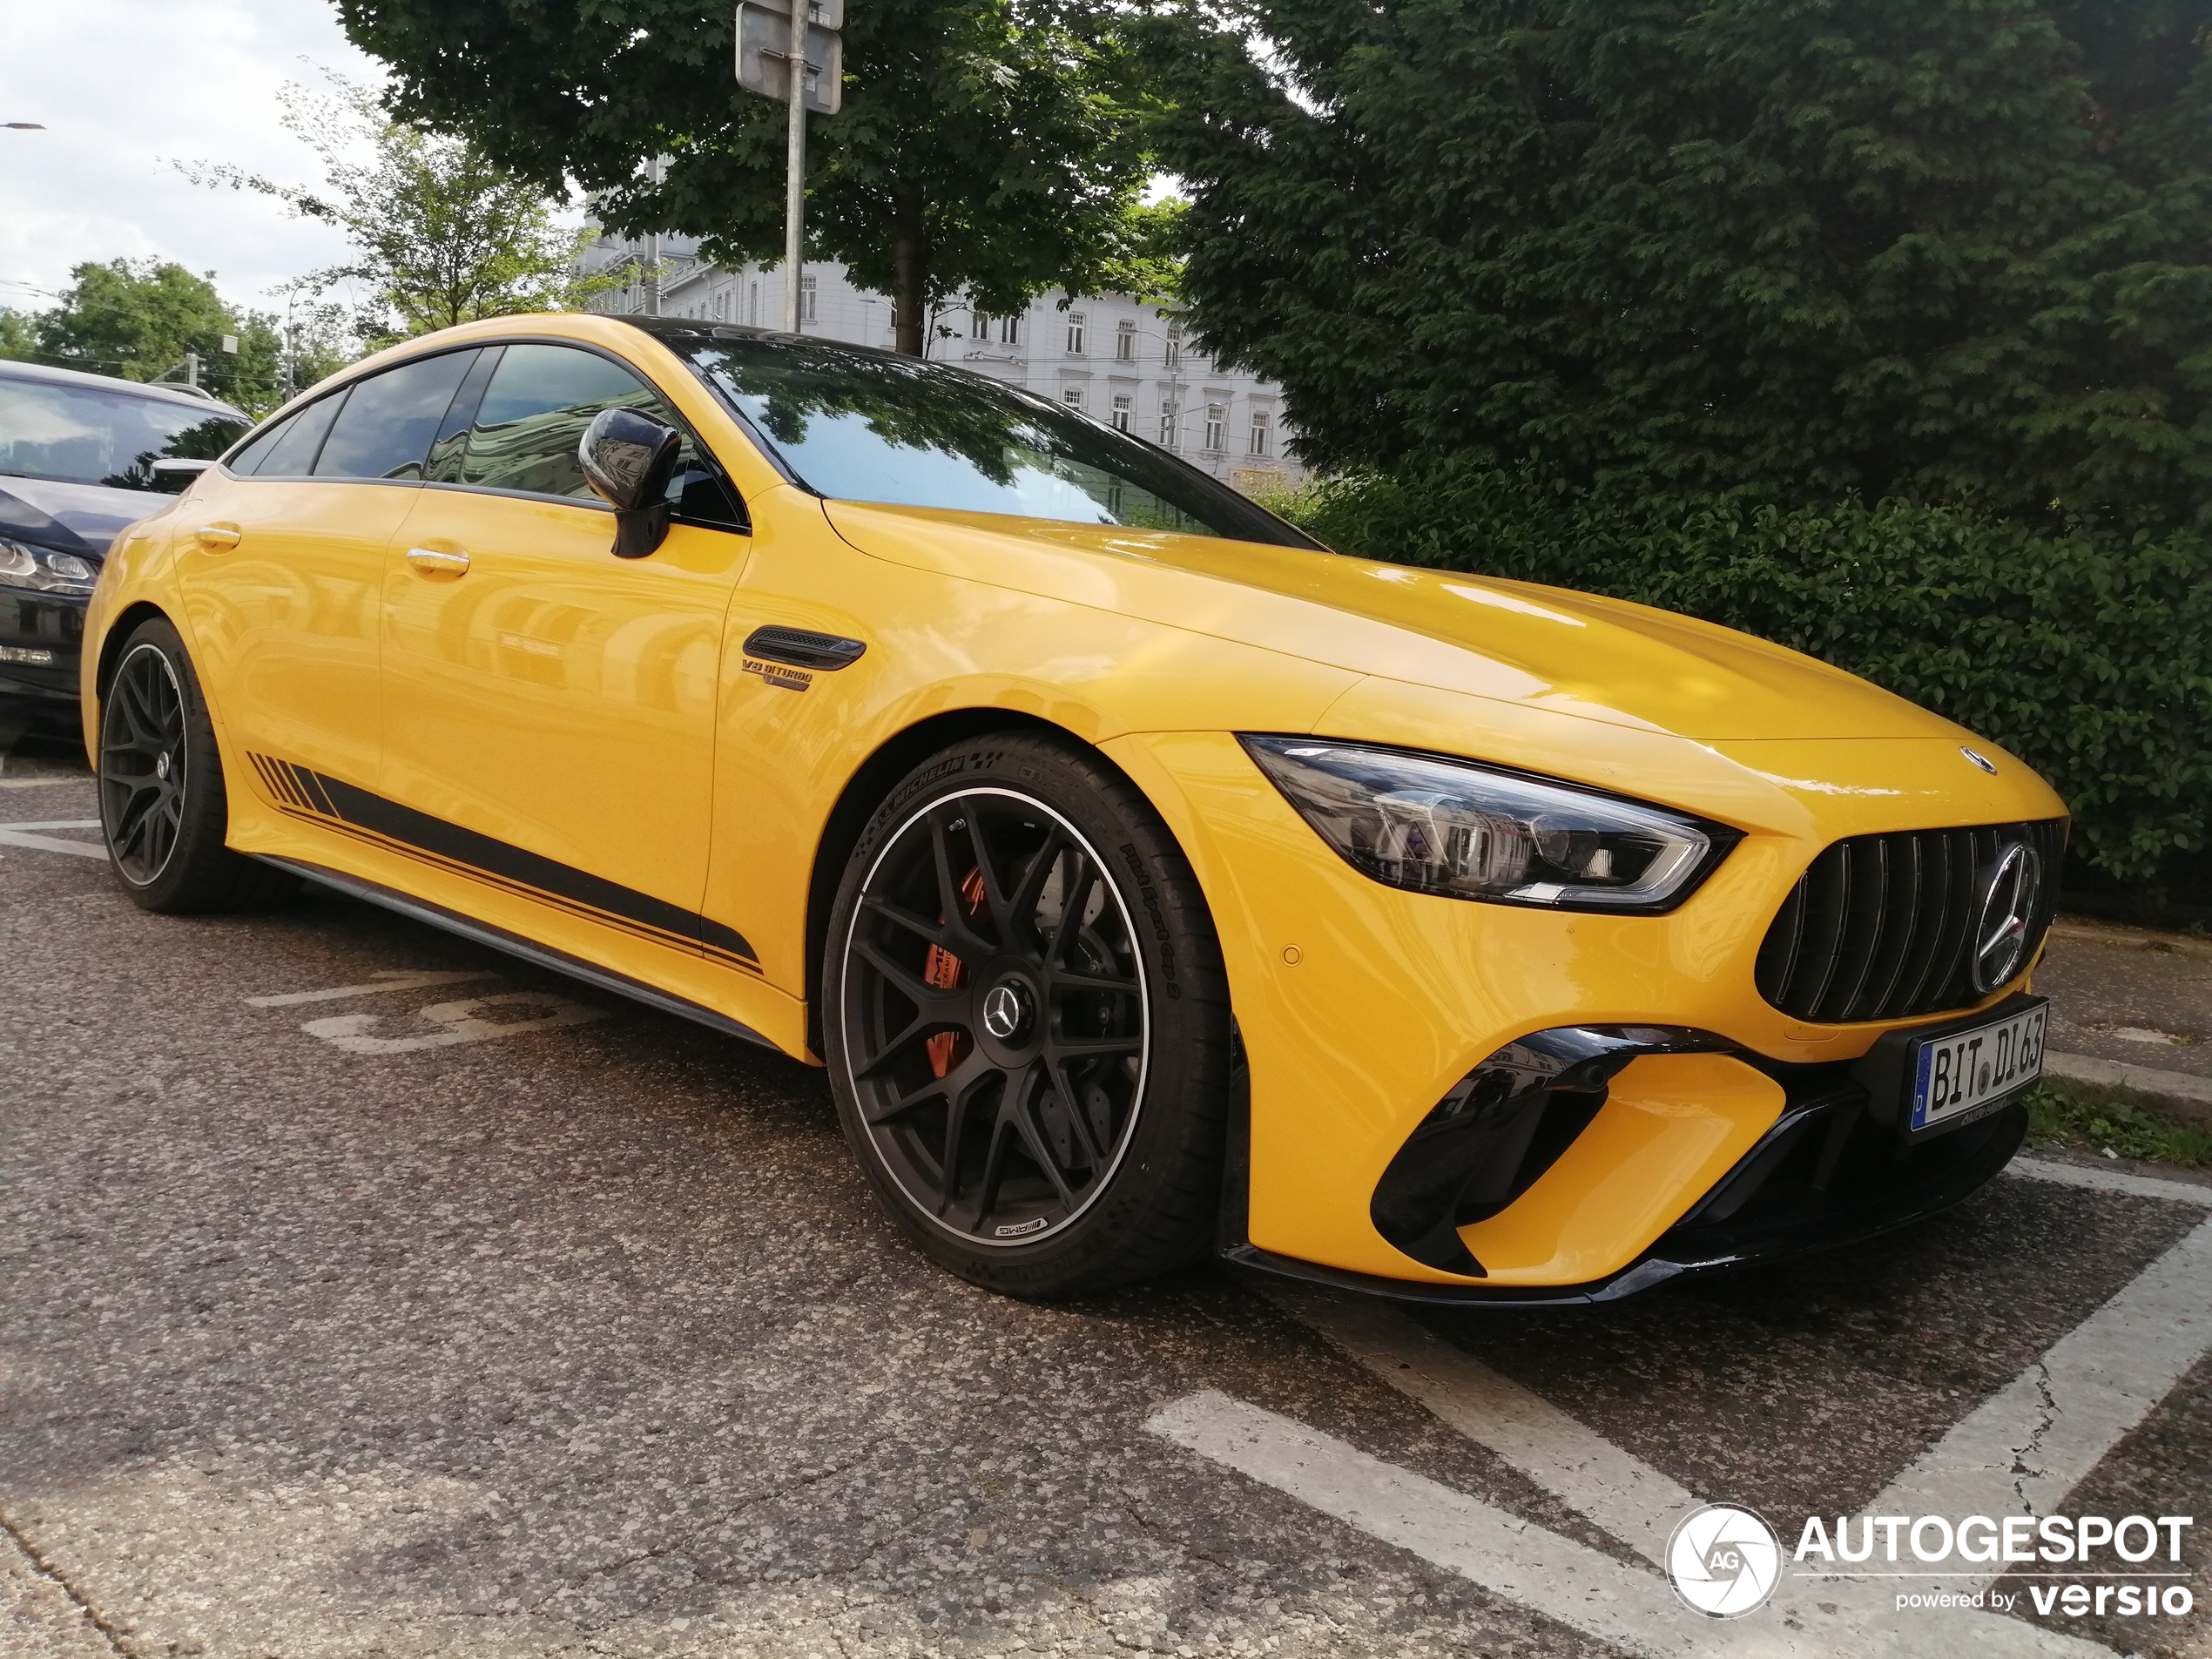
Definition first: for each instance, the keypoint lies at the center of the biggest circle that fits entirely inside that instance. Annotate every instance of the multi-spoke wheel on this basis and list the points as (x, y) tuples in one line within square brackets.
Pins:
[(162, 803), (1034, 1079), (143, 762)]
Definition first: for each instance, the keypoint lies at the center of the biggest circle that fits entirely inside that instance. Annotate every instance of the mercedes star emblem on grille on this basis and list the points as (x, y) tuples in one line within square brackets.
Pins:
[(2001, 928)]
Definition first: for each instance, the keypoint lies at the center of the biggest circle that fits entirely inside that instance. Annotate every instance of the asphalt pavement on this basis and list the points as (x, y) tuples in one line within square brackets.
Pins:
[(370, 1293)]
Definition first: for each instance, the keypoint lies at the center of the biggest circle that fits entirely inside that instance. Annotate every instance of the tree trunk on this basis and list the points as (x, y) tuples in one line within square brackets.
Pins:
[(910, 275)]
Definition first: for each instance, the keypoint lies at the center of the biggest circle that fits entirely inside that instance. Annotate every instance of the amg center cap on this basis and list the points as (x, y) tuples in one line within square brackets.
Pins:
[(1008, 1007)]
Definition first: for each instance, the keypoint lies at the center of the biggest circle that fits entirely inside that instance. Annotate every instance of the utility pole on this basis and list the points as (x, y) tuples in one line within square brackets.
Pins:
[(795, 172), (792, 49)]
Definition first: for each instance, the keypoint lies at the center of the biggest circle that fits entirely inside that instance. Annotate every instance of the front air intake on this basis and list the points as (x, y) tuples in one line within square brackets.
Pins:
[(1889, 927)]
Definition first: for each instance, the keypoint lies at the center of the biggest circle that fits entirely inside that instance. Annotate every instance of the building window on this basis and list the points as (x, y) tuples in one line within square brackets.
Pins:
[(1075, 333), (752, 305), (1010, 331), (1124, 405), (1217, 425), (1175, 347), (1170, 424), (1259, 432), (809, 298), (1072, 396), (979, 325), (1125, 342)]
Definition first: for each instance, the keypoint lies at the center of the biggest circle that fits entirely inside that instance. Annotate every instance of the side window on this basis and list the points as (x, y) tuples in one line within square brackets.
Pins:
[(386, 427), (533, 412), (288, 449)]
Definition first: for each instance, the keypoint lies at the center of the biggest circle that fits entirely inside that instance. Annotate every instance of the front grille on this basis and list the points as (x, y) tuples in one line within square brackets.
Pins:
[(1881, 927)]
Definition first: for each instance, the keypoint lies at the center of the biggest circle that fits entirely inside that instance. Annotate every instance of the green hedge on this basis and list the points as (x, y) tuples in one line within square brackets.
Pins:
[(2087, 652)]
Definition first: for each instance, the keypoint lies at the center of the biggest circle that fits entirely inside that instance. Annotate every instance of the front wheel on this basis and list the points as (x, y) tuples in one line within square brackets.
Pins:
[(1027, 1022)]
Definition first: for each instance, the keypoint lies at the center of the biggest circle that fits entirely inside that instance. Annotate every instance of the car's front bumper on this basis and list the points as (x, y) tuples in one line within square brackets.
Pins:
[(1362, 1005), (42, 637)]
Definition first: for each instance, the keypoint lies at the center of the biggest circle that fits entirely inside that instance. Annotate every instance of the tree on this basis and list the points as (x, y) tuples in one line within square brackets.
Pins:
[(1953, 249), (441, 233), (141, 320), (981, 148)]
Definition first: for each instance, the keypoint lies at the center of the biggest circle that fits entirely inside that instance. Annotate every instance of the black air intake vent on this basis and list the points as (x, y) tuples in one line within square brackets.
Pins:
[(1881, 927)]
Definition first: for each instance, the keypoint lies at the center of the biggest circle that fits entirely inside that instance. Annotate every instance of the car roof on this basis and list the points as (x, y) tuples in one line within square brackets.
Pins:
[(13, 369)]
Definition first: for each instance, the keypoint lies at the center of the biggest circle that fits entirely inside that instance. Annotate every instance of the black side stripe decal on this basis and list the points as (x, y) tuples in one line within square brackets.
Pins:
[(482, 854)]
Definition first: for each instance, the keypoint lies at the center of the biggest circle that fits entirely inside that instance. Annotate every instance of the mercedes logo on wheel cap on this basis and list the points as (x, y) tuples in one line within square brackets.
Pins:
[(1006, 1010), (2009, 894)]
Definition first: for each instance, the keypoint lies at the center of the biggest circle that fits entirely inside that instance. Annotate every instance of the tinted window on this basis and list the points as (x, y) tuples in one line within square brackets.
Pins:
[(88, 435), (860, 425), (385, 429), (287, 449), (535, 409)]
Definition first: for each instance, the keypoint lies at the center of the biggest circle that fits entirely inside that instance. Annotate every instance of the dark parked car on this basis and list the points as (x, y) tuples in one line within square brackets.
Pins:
[(79, 455)]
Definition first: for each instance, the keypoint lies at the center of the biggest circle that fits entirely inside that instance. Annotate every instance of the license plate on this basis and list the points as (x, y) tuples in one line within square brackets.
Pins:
[(1966, 1075)]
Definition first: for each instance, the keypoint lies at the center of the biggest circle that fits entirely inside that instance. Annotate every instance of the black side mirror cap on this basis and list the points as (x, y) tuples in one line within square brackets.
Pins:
[(628, 459)]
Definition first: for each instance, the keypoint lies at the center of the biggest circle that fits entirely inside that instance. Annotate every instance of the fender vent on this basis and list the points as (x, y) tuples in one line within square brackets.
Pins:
[(802, 649), (1881, 927)]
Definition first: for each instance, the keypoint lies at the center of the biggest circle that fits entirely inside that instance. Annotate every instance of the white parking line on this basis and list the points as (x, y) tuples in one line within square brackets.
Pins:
[(13, 834), (39, 783), (1618, 1490), (385, 980), (1557, 1577), (2025, 1448)]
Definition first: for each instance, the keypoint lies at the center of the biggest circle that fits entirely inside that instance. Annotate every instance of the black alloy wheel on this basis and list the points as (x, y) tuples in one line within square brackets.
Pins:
[(143, 762), (1001, 1028), (1026, 1022), (163, 805)]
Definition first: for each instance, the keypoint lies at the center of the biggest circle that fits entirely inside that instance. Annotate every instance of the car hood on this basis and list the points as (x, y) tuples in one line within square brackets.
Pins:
[(1544, 648), (74, 518)]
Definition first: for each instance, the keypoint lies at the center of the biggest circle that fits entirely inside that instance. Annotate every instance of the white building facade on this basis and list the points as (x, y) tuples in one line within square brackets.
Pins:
[(1112, 356)]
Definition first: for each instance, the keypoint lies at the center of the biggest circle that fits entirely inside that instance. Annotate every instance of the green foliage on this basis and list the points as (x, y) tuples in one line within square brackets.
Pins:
[(441, 234), (1953, 250), (982, 146), (140, 319), (2086, 651), (2066, 1114)]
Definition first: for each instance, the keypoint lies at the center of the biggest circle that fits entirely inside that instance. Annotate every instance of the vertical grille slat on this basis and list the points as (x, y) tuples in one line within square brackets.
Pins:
[(1882, 927)]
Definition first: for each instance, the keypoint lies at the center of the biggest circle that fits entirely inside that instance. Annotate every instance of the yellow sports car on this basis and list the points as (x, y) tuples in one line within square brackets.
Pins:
[(1147, 877)]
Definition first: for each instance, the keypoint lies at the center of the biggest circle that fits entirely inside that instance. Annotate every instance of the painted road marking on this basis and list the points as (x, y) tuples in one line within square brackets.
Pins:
[(386, 979), (39, 783), (1618, 1490), (12, 834), (462, 1021), (1556, 1576), (2022, 1450), (2140, 1186)]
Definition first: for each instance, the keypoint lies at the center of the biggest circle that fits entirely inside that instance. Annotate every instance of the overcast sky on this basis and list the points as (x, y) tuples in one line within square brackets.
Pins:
[(123, 86)]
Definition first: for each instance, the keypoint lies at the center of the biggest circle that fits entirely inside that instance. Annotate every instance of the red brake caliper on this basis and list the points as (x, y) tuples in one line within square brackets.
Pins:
[(940, 969)]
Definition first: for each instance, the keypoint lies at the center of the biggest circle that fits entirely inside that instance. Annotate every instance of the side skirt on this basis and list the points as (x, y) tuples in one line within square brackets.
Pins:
[(515, 945)]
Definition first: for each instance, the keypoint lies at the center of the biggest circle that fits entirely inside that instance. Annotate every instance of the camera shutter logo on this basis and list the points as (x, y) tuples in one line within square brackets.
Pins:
[(1724, 1560), (2001, 928)]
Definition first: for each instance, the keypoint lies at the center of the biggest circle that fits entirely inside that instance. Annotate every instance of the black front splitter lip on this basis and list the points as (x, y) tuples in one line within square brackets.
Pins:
[(1672, 1256)]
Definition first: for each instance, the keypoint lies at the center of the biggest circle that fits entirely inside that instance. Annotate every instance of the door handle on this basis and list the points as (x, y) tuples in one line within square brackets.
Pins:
[(428, 561), (216, 538)]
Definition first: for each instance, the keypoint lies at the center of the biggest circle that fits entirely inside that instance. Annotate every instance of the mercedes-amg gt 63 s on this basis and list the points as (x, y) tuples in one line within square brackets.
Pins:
[(1149, 878)]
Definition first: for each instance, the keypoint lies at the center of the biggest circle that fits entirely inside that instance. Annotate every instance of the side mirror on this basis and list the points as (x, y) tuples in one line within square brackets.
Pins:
[(628, 459)]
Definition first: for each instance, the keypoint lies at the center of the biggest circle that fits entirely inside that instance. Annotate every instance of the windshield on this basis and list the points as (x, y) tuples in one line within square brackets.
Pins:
[(87, 435), (868, 426)]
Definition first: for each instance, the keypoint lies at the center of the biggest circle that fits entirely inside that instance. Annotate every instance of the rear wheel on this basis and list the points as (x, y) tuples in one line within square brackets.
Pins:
[(163, 808), (1027, 1022)]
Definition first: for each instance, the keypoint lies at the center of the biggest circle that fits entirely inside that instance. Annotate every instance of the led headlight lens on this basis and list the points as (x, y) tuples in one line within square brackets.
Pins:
[(41, 570), (1448, 827)]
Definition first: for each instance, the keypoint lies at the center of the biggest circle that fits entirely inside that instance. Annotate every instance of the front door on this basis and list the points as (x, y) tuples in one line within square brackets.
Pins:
[(549, 708)]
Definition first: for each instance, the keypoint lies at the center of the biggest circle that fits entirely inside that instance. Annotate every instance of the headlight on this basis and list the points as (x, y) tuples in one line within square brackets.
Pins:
[(1433, 825), (44, 571)]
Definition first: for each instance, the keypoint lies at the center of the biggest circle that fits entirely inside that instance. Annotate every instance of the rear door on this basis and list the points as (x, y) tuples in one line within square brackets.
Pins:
[(282, 566), (549, 708)]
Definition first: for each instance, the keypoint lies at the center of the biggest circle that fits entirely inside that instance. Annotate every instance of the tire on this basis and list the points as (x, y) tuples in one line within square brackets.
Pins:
[(1060, 1045), (163, 811)]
